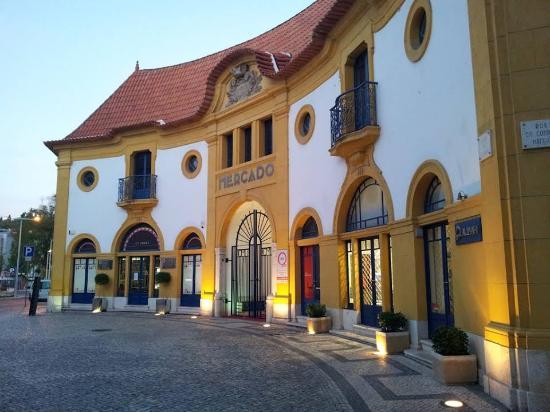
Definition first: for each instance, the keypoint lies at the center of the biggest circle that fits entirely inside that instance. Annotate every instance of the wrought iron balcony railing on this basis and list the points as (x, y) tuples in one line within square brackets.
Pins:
[(137, 188), (353, 110)]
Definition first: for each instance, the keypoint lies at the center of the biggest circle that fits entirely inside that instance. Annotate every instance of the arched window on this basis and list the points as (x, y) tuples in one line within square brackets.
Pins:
[(435, 197), (309, 229), (192, 241), (85, 246), (140, 238), (367, 208)]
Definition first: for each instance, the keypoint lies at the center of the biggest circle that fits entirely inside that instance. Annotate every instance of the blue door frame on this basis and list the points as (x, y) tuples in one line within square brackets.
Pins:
[(370, 280), (361, 77), (86, 296), (194, 298), (141, 188), (438, 290), (138, 291), (311, 285)]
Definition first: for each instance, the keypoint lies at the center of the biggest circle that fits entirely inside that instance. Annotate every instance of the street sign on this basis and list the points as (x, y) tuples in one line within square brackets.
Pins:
[(28, 252)]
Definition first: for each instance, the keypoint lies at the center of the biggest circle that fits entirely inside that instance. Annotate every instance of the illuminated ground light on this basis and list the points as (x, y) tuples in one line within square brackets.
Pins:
[(266, 325), (159, 313), (96, 310), (194, 317), (453, 403)]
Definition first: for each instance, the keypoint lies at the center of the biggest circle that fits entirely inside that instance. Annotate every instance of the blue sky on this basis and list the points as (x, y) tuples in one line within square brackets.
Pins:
[(60, 59)]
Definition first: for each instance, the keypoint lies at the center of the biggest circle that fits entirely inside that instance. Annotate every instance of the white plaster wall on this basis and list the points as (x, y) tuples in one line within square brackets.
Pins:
[(181, 201), (96, 212), (315, 177), (426, 110)]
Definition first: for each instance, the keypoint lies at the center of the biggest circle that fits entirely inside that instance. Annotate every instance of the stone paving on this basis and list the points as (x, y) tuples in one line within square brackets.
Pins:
[(138, 362)]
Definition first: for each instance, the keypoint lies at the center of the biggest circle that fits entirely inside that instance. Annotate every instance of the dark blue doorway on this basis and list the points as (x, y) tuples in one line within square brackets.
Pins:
[(438, 278), (370, 280), (141, 187), (84, 270), (191, 280), (311, 285), (138, 292)]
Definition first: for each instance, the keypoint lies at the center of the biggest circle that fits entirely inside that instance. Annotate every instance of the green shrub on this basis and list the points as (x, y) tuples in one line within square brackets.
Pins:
[(316, 310), (101, 279), (163, 277), (450, 341), (392, 322)]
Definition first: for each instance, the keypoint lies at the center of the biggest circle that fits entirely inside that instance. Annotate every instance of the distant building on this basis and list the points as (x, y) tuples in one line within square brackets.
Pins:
[(6, 240)]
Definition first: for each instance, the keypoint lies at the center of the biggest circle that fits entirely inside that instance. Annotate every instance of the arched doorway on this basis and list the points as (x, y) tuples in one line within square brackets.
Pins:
[(309, 266), (191, 271), (437, 261), (251, 265), (367, 210), (139, 263), (84, 271)]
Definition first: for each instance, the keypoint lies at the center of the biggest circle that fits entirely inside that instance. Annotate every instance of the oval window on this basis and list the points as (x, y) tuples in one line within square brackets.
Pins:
[(191, 164), (88, 178), (306, 123), (418, 29)]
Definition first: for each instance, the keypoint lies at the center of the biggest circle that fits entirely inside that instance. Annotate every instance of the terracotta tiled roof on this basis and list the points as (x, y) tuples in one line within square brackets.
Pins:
[(183, 93)]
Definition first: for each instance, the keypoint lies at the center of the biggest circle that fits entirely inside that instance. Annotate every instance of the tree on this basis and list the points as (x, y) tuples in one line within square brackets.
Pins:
[(37, 234)]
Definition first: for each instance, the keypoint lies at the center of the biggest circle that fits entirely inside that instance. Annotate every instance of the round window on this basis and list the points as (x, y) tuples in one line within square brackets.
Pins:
[(191, 164), (304, 124), (88, 178), (418, 29)]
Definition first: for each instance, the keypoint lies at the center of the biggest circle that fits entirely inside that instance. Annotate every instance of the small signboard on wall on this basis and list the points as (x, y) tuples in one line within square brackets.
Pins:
[(168, 263), (282, 266), (468, 231), (104, 264), (535, 134)]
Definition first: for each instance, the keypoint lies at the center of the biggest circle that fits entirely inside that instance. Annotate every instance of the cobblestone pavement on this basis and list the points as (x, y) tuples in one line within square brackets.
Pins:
[(131, 361)]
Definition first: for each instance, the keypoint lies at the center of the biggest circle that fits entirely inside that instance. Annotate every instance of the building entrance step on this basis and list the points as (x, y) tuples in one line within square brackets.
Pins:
[(349, 335), (365, 330)]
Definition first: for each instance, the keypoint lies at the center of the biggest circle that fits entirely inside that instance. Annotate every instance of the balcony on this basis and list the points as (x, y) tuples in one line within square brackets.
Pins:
[(137, 191), (353, 121)]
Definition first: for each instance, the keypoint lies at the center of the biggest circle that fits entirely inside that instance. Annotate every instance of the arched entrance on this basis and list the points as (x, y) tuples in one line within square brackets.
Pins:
[(84, 271), (138, 262), (251, 265), (310, 266)]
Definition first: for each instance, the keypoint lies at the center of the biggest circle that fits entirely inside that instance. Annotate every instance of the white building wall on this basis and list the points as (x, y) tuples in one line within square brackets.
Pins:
[(181, 201), (426, 109), (96, 212), (315, 177)]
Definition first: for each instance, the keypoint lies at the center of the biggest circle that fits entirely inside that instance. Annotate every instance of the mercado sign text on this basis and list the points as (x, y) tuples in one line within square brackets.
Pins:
[(246, 176)]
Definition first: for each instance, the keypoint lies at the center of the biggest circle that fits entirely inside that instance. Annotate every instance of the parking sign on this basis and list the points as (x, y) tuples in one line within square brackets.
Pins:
[(28, 252)]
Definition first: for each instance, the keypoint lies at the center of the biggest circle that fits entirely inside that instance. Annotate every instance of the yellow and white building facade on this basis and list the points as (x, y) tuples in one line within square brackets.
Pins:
[(396, 156)]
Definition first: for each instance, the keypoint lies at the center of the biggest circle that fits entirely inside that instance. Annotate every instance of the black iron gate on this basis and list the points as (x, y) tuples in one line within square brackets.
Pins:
[(251, 266)]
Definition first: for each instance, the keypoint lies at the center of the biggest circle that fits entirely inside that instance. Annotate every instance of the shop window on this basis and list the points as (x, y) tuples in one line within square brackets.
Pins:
[(367, 208), (435, 197), (267, 140), (121, 281), (192, 242), (309, 230)]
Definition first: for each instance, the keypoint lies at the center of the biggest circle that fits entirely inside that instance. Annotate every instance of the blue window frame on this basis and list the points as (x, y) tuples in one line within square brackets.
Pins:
[(435, 197), (367, 208)]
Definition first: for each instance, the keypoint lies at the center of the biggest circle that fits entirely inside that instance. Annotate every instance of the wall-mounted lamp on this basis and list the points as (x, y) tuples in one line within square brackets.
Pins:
[(462, 196)]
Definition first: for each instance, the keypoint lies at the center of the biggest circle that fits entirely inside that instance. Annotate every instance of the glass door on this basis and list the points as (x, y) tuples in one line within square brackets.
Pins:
[(311, 285), (191, 280), (84, 271), (138, 292), (142, 175), (371, 281), (438, 276)]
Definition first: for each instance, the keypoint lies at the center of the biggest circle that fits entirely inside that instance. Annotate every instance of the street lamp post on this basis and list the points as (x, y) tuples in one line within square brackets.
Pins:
[(36, 218)]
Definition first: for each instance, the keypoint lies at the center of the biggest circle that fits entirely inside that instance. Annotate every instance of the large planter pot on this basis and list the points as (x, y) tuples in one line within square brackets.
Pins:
[(392, 342), (452, 370), (319, 325)]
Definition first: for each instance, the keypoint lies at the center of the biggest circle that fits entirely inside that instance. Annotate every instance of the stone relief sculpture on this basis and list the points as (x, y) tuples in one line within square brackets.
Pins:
[(245, 83)]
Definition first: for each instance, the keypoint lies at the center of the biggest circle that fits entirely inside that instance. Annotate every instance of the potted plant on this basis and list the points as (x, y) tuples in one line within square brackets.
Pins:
[(452, 363), (393, 336), (162, 305), (318, 321)]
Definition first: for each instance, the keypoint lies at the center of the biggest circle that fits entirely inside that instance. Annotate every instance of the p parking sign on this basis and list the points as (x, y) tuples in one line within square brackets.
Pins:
[(28, 252)]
